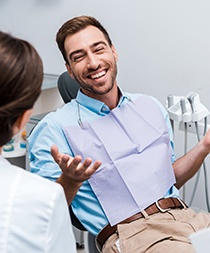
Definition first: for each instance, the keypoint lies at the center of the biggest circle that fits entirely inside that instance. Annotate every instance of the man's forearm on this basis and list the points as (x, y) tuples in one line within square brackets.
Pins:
[(188, 165), (70, 188)]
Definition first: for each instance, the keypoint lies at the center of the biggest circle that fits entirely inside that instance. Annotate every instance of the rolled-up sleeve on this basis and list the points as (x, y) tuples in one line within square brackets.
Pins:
[(44, 135)]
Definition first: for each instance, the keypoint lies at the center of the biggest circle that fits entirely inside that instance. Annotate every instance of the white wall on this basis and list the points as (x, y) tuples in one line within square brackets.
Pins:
[(163, 45)]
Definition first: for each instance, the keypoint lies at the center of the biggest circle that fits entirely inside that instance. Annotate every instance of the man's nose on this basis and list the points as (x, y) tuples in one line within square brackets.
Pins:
[(92, 61)]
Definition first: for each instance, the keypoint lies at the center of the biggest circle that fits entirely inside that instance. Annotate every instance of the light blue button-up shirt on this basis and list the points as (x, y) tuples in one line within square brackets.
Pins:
[(50, 131)]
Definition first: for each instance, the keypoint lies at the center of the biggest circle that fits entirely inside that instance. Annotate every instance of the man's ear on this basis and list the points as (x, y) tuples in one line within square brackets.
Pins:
[(21, 121), (69, 71), (114, 53)]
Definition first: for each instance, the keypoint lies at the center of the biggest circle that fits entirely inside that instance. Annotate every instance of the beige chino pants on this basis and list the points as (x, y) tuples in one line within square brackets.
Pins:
[(158, 233)]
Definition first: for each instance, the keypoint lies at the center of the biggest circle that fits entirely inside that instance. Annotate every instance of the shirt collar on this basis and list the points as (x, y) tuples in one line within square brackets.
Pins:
[(96, 105)]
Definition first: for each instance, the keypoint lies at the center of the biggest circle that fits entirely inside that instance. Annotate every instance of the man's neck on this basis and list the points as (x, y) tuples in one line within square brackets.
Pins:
[(112, 98)]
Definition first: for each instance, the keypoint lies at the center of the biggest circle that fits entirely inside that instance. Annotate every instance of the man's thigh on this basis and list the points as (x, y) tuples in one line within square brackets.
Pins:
[(162, 232)]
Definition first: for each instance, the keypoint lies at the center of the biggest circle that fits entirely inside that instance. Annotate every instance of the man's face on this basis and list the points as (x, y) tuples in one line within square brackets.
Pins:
[(92, 62)]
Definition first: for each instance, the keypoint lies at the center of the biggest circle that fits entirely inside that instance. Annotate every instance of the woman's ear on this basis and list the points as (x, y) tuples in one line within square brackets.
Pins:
[(21, 121)]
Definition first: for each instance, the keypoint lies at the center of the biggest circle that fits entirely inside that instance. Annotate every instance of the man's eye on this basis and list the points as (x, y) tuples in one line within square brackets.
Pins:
[(100, 49), (78, 58)]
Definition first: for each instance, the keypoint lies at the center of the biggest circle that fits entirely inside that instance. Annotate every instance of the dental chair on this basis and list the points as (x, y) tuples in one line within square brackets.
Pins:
[(68, 88)]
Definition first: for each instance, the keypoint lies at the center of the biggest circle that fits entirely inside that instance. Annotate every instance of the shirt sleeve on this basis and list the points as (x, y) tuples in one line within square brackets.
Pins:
[(44, 135)]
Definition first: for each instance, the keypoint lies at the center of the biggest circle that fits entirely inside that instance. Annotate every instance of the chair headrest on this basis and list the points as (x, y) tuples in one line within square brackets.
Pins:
[(67, 86)]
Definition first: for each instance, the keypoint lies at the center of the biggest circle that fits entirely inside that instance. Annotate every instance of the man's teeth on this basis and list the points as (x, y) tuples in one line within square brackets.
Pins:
[(98, 75)]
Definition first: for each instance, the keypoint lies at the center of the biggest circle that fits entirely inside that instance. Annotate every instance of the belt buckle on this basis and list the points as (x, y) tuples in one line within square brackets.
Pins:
[(182, 203), (160, 208)]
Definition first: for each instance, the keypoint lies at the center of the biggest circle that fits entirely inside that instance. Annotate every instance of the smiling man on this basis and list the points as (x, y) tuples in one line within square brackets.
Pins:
[(113, 153), (92, 62)]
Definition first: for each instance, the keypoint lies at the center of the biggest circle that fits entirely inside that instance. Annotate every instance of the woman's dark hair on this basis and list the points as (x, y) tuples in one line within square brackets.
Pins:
[(21, 75), (75, 25)]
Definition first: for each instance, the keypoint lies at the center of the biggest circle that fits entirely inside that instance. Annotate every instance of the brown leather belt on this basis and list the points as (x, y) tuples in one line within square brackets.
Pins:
[(162, 205)]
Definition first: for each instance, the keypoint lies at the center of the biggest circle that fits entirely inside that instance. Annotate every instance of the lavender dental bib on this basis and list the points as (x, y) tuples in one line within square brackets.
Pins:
[(133, 144)]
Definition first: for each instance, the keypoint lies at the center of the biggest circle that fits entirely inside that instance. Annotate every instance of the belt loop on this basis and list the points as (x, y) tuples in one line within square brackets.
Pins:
[(144, 213)]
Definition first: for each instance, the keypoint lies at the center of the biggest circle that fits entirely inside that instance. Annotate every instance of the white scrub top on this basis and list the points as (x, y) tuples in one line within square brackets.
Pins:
[(34, 215)]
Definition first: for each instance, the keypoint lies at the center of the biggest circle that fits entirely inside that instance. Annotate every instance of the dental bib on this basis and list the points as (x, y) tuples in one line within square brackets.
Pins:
[(133, 143)]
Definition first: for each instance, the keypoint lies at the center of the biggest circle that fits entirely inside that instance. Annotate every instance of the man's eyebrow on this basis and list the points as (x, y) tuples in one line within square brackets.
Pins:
[(82, 51), (98, 43)]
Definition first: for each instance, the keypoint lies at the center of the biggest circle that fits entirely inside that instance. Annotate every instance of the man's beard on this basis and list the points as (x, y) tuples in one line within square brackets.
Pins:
[(91, 89)]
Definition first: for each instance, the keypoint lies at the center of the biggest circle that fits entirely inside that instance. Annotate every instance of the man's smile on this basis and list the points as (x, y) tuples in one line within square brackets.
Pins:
[(98, 75)]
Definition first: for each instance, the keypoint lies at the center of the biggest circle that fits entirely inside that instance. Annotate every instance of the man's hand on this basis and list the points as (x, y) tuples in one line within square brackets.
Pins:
[(74, 171)]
